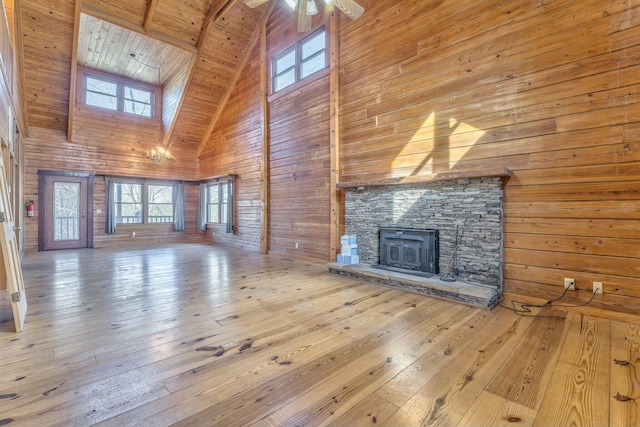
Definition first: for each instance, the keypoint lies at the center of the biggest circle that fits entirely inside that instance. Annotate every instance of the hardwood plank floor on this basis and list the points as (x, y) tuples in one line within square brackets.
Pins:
[(198, 335)]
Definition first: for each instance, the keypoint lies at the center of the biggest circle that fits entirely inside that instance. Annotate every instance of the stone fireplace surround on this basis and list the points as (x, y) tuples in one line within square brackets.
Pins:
[(468, 207)]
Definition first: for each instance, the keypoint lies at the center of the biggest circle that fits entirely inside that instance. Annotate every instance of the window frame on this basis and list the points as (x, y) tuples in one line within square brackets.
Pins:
[(299, 61), (145, 184), (222, 201), (121, 83)]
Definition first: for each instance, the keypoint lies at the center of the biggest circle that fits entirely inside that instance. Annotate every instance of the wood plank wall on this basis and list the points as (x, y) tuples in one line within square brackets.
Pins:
[(234, 148), (548, 89), (299, 162), (110, 144), (299, 165)]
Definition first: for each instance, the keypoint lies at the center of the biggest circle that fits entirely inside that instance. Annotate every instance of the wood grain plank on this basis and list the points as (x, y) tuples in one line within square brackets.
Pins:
[(577, 383)]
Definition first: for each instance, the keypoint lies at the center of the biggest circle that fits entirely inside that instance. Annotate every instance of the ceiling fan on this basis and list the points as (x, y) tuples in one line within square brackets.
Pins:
[(307, 8)]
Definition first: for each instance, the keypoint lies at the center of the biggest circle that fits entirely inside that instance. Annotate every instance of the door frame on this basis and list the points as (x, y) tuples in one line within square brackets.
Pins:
[(42, 176)]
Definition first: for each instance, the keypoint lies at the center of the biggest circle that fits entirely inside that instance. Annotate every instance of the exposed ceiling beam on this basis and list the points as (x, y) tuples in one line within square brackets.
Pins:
[(148, 16), (232, 84), (74, 68), (217, 9), (124, 23)]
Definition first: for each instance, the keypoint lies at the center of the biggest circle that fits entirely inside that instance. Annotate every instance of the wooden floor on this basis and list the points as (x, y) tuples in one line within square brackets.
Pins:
[(193, 335)]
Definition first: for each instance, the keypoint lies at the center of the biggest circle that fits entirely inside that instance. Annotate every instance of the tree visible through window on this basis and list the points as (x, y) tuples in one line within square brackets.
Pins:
[(160, 203), (128, 203), (218, 200), (116, 95), (137, 203)]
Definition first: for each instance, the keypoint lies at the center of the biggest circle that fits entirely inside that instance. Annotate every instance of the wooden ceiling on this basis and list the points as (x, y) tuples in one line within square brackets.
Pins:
[(160, 33), (113, 49)]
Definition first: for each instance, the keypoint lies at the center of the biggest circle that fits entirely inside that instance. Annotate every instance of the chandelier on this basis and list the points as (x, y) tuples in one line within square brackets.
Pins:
[(159, 155)]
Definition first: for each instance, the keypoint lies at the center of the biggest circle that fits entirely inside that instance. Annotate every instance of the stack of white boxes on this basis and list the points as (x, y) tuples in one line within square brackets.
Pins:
[(349, 251)]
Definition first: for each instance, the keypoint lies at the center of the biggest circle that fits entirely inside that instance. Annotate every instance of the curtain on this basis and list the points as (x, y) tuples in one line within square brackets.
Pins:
[(178, 208), (110, 227), (229, 206), (202, 208)]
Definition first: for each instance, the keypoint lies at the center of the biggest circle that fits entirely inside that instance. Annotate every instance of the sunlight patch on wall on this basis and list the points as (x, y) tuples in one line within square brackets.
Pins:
[(435, 147)]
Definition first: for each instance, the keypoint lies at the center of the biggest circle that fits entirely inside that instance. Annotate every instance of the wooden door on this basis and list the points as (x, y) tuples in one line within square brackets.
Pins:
[(11, 253), (65, 206)]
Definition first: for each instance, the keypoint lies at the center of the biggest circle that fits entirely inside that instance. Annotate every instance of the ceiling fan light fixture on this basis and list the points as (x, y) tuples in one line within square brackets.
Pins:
[(291, 3), (312, 9)]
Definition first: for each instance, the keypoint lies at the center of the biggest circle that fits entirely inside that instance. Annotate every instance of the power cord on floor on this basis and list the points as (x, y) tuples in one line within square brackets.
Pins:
[(525, 309)]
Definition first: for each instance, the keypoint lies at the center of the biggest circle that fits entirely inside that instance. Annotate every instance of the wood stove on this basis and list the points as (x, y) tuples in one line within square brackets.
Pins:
[(413, 250)]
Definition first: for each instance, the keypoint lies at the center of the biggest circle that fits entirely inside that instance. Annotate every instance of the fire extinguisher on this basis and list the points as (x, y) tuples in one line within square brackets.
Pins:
[(30, 208)]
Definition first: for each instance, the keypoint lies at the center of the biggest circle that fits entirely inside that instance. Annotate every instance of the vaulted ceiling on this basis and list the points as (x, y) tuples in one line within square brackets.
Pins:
[(148, 40)]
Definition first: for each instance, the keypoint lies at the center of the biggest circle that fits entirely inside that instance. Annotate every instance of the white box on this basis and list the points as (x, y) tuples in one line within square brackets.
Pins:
[(349, 250), (348, 240)]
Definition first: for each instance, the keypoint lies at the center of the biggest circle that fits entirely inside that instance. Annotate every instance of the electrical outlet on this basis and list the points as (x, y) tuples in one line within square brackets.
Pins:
[(296, 245), (569, 283), (133, 234), (598, 288)]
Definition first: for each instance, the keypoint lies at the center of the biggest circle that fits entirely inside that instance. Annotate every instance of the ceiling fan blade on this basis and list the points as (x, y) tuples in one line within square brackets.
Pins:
[(304, 20), (254, 3), (350, 7)]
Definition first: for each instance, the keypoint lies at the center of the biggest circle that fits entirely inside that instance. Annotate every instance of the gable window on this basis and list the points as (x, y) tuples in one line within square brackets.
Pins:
[(301, 60), (116, 94), (138, 203)]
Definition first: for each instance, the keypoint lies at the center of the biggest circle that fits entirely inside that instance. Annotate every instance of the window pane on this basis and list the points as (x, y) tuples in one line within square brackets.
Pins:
[(213, 207), (160, 203), (213, 193), (128, 203), (101, 86), (313, 45), (101, 100), (139, 95), (213, 214), (285, 80), (137, 108), (66, 211), (312, 65), (286, 61), (137, 101)]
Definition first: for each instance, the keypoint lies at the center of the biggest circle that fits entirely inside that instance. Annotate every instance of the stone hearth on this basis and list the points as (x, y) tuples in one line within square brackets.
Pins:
[(467, 213)]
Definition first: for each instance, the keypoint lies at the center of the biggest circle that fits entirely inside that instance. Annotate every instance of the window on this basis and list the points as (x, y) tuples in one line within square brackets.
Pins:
[(217, 203), (129, 203), (160, 203), (301, 60), (117, 95)]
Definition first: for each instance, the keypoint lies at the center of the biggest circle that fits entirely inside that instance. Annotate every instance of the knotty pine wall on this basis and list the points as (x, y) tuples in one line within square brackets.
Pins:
[(299, 163), (110, 144), (299, 184), (548, 89), (234, 149)]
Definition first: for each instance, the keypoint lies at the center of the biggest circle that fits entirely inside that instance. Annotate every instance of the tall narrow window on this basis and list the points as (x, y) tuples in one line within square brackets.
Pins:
[(301, 60), (218, 203), (213, 205), (224, 202)]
